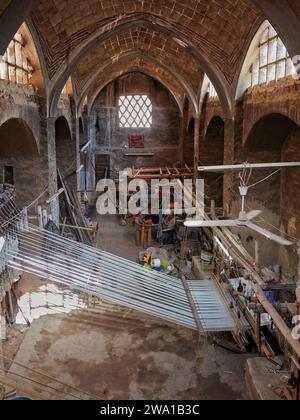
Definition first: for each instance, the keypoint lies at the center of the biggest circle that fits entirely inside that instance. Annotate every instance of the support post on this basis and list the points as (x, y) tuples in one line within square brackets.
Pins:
[(40, 216), (52, 168)]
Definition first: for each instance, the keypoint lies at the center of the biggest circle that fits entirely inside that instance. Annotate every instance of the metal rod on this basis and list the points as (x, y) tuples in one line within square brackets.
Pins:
[(238, 168)]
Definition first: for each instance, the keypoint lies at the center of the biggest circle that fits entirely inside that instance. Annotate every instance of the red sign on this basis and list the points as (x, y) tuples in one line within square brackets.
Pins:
[(136, 142)]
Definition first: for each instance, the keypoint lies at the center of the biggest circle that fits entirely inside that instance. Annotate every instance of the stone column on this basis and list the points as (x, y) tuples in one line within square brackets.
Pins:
[(52, 168), (229, 159), (196, 147)]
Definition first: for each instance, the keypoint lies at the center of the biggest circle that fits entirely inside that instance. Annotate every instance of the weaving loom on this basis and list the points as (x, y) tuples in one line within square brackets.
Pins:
[(88, 270)]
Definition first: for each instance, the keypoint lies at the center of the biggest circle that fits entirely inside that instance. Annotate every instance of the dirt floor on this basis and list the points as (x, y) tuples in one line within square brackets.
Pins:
[(111, 353)]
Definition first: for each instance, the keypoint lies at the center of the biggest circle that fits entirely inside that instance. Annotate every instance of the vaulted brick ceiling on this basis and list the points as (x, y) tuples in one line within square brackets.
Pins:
[(139, 40), (218, 29), (136, 64), (187, 36)]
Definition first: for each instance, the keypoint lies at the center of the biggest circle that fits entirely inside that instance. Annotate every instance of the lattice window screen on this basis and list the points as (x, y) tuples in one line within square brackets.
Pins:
[(135, 111)]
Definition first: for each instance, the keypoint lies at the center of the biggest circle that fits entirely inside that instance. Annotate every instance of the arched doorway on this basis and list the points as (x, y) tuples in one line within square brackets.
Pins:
[(20, 162), (276, 138), (212, 153), (266, 143)]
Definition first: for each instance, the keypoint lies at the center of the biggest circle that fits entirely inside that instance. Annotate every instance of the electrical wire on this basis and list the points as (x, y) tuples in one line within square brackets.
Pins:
[(265, 179), (263, 220)]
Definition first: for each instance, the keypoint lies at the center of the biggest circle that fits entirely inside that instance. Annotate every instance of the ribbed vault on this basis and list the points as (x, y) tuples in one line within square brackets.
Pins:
[(148, 42), (217, 29), (206, 34), (136, 63)]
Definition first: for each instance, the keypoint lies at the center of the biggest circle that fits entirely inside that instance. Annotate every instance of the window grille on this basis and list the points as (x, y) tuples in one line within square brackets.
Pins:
[(135, 111)]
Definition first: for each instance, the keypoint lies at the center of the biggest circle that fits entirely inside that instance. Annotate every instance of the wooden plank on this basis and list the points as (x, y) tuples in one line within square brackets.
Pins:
[(70, 207)]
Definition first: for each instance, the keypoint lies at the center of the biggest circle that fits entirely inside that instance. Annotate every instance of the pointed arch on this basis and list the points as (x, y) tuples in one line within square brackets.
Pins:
[(253, 57), (17, 139), (23, 61), (215, 75), (132, 66)]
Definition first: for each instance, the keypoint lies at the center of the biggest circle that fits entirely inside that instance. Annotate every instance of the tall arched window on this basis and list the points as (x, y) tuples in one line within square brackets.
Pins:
[(273, 61), (14, 65), (212, 93)]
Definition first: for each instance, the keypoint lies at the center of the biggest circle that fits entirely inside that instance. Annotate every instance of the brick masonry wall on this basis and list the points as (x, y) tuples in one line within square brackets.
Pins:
[(161, 139), (279, 196), (66, 141), (21, 102), (211, 148), (30, 172)]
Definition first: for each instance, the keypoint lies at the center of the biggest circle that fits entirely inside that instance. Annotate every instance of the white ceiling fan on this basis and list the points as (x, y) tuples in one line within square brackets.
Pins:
[(244, 221)]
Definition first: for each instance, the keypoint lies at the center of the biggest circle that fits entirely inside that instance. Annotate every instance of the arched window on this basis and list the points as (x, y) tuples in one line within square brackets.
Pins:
[(14, 65), (135, 111), (273, 61), (212, 93)]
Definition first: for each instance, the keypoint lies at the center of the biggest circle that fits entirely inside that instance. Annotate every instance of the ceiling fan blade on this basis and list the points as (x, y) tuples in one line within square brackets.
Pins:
[(269, 235), (253, 214), (210, 223)]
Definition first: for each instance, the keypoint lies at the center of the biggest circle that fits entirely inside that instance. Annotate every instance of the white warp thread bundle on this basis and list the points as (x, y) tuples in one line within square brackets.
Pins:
[(114, 279)]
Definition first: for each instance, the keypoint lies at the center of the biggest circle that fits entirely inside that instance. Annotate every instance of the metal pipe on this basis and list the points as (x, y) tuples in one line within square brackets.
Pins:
[(238, 168)]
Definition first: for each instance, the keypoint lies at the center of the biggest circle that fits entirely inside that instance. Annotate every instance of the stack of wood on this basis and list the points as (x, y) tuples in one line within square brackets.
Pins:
[(72, 214)]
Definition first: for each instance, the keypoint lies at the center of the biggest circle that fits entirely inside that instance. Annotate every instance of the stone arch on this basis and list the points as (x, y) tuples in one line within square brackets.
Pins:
[(20, 161), (251, 54), (285, 20), (214, 74), (130, 69), (27, 48), (275, 138), (265, 144), (17, 139), (280, 119)]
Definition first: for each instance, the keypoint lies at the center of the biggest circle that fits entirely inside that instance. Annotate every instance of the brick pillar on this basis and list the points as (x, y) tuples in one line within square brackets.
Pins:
[(228, 160), (196, 147), (52, 168)]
